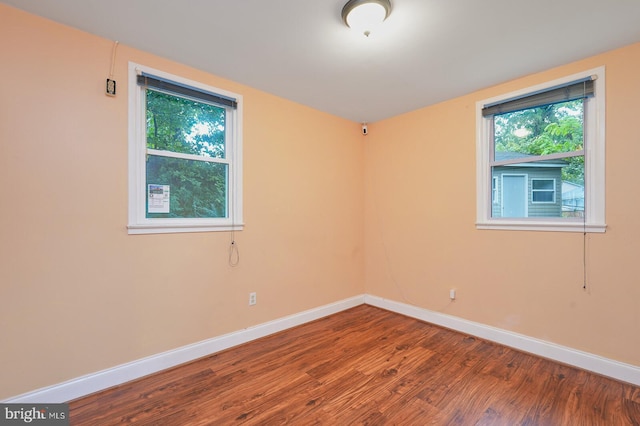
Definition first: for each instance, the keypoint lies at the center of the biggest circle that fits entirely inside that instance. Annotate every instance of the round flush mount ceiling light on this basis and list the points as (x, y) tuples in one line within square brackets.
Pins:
[(365, 16)]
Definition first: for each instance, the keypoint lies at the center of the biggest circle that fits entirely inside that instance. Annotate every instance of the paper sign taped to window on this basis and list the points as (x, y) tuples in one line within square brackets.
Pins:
[(158, 198)]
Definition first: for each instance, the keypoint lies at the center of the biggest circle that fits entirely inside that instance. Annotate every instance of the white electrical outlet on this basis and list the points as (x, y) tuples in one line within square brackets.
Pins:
[(252, 299), (452, 294)]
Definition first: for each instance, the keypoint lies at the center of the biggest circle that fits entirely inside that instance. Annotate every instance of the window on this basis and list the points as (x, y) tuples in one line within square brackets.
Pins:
[(494, 189), (545, 146), (185, 155), (543, 191)]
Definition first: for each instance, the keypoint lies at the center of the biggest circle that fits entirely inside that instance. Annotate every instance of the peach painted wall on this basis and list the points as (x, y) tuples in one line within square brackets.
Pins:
[(421, 240), (78, 293)]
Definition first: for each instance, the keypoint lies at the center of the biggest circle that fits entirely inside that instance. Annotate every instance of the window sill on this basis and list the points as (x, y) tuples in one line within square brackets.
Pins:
[(546, 226), (174, 229)]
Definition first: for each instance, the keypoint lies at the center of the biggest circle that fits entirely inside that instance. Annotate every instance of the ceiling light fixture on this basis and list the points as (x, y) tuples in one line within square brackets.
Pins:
[(365, 15)]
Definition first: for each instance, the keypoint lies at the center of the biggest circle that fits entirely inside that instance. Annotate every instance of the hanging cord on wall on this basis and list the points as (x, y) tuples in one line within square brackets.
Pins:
[(110, 89), (234, 253), (584, 203), (113, 58), (584, 253)]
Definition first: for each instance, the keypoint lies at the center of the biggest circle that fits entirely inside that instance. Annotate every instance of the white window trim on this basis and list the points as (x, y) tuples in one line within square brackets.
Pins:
[(553, 191), (138, 222), (594, 132)]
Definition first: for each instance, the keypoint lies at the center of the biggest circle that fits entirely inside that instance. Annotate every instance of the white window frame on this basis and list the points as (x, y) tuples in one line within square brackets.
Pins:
[(138, 222), (594, 153), (553, 191)]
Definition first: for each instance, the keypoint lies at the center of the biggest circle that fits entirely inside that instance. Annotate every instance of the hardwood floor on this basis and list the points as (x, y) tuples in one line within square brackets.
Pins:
[(366, 366)]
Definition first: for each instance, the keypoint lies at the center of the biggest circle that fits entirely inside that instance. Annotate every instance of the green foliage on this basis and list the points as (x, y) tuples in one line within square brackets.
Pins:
[(549, 129), (180, 125), (183, 125)]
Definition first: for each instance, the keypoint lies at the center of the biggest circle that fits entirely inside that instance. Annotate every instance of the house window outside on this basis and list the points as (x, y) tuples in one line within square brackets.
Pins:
[(554, 135), (494, 190), (543, 191), (184, 155)]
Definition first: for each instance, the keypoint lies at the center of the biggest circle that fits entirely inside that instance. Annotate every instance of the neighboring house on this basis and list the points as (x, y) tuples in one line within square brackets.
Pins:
[(572, 199), (527, 189)]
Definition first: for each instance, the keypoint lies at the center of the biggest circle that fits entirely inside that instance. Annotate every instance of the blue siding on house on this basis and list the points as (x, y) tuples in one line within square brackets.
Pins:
[(532, 172)]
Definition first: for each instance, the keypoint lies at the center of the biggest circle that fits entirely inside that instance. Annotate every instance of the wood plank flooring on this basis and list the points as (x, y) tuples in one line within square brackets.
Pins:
[(371, 367)]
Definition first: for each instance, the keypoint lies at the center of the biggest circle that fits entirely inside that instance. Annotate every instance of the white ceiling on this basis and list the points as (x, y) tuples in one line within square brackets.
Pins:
[(427, 51)]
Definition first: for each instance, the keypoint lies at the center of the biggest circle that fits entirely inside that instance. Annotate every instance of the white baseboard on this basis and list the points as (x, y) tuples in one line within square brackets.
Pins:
[(584, 360), (104, 379), (101, 380)]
